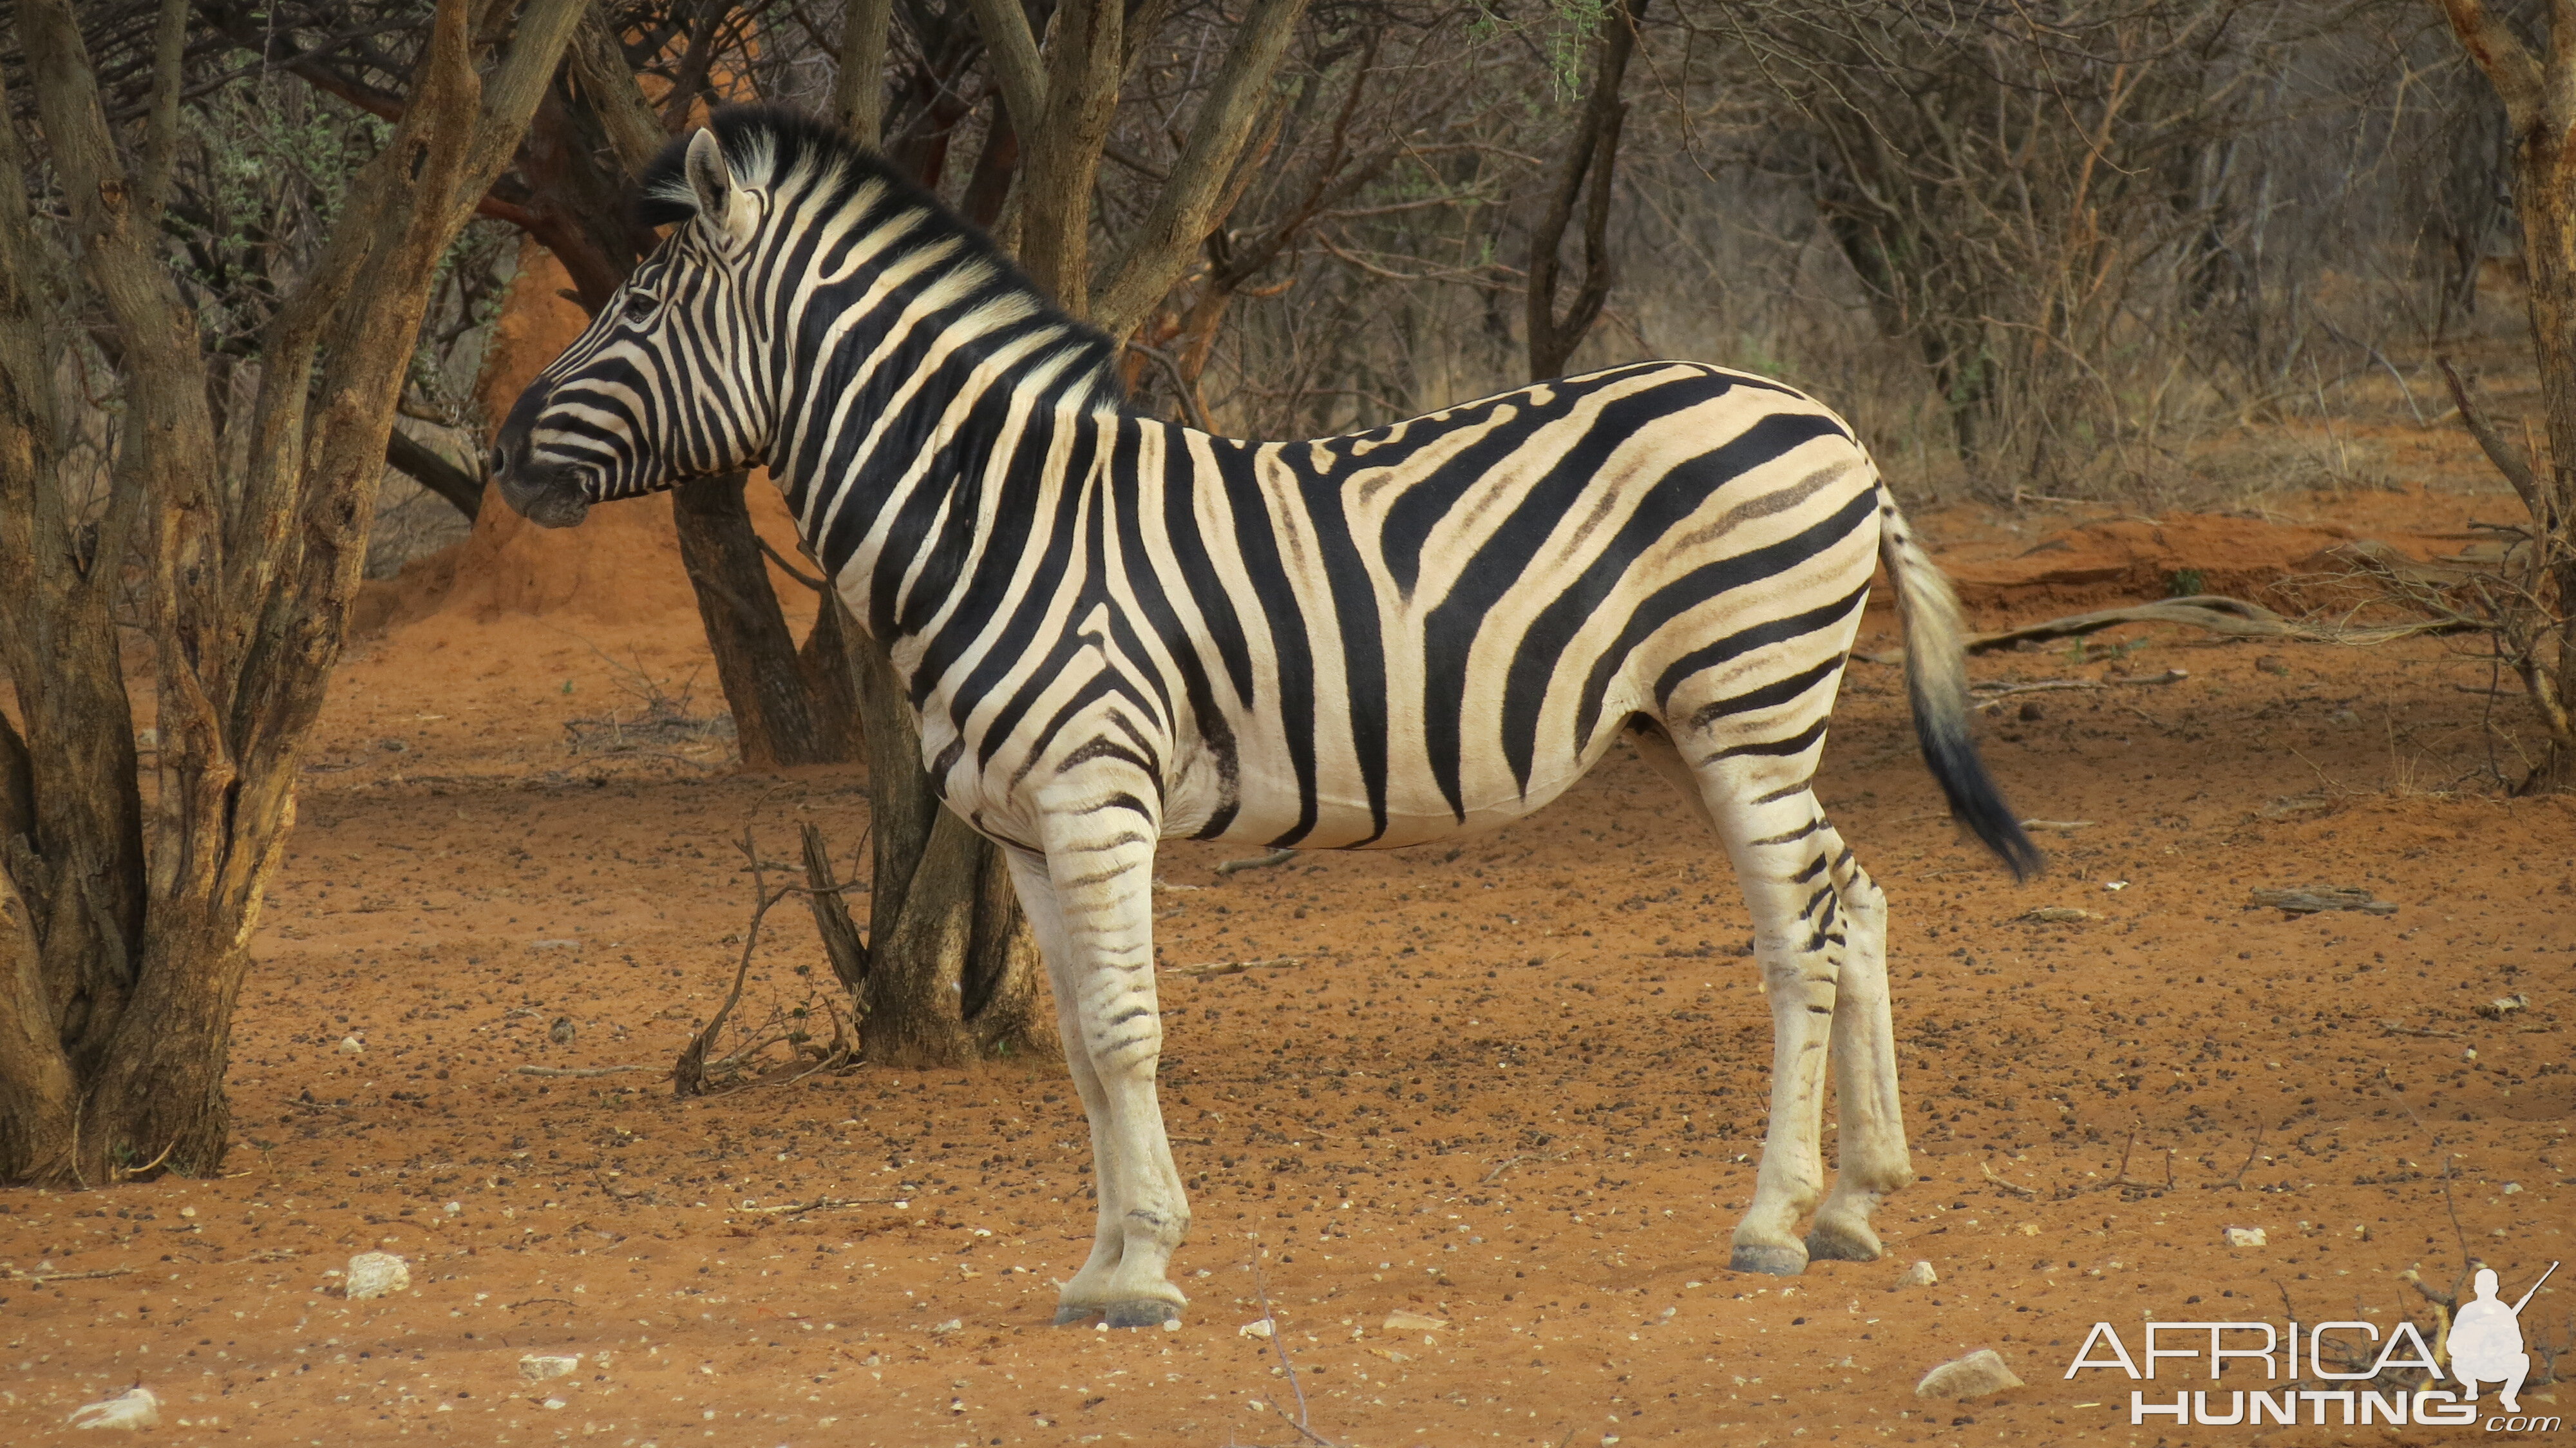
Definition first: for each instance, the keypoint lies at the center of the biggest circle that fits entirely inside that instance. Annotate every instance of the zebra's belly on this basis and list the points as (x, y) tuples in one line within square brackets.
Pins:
[(1272, 806)]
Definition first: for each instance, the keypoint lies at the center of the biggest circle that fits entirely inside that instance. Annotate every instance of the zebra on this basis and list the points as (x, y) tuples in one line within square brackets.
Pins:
[(1115, 630)]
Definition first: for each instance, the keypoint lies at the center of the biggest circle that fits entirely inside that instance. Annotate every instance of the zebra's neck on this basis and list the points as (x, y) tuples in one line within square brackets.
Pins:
[(918, 376)]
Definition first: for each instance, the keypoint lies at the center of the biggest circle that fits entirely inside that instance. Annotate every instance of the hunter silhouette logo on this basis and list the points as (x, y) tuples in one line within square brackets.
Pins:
[(2484, 1346), (2486, 1341)]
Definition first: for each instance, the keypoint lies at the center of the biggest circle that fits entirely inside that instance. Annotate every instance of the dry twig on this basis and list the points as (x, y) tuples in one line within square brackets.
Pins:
[(2011, 1186), (1278, 1343), (1257, 862)]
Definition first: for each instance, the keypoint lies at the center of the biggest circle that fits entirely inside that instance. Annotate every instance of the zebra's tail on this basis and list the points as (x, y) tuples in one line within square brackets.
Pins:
[(1936, 679)]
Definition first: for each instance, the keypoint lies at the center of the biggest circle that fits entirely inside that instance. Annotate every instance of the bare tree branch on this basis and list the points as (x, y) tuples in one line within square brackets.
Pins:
[(858, 97), (1190, 201), (2508, 459), (425, 466), (1012, 51), (599, 66), (2509, 64)]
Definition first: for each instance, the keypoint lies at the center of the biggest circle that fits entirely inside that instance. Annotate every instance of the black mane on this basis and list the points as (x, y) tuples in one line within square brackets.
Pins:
[(764, 143)]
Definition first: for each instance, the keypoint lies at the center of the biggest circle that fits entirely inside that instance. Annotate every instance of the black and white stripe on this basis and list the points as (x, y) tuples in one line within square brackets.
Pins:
[(1116, 630)]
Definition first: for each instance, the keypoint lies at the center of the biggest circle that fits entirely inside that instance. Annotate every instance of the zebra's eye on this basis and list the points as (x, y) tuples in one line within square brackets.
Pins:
[(639, 305)]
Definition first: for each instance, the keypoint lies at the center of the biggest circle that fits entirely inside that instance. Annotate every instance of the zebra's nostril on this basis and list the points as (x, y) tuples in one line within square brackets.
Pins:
[(500, 459)]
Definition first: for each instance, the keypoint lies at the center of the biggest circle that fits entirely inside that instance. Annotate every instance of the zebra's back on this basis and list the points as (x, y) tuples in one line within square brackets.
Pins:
[(1437, 626)]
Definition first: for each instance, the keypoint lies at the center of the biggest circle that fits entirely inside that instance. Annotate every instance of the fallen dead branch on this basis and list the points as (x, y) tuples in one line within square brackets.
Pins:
[(561, 1071), (827, 1204), (1235, 967), (1507, 1163), (2425, 1032), (2217, 614), (2057, 824), (1997, 693), (2322, 898), (41, 1278), (693, 1074), (1257, 862)]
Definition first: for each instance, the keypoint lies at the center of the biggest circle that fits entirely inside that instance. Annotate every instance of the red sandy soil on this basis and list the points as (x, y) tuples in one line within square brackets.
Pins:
[(1515, 1085)]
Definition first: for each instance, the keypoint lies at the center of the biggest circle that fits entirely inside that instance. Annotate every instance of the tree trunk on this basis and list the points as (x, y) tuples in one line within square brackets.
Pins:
[(2539, 95), (1591, 166), (2545, 192), (125, 930), (158, 1100), (756, 660), (951, 971)]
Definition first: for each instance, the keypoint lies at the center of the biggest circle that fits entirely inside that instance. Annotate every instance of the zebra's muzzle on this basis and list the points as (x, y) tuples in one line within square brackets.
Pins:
[(546, 494)]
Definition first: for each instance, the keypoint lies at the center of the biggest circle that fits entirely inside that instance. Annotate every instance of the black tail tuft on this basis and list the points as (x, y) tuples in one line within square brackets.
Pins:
[(1974, 800)]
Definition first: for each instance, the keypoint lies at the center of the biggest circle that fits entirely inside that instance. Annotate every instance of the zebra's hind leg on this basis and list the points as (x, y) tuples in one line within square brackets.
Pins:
[(1797, 935), (1785, 861), (1870, 1159), (1091, 908)]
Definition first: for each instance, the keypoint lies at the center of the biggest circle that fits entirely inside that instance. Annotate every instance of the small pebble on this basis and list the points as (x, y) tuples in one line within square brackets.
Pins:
[(1918, 1275), (537, 1367), (136, 1407), (1978, 1374), (377, 1274), (2246, 1237)]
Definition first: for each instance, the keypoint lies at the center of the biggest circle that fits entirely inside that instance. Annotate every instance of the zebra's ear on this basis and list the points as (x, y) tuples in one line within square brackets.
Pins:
[(725, 207)]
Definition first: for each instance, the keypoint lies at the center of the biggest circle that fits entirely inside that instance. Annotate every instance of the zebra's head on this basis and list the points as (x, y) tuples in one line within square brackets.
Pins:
[(665, 385)]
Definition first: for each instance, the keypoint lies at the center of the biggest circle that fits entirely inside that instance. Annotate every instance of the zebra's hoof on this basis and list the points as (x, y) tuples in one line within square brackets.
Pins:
[(1148, 1313), (1068, 1315), (1840, 1244), (1772, 1261)]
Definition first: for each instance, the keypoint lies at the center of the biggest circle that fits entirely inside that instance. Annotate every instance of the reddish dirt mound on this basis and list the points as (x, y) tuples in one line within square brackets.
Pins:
[(619, 571)]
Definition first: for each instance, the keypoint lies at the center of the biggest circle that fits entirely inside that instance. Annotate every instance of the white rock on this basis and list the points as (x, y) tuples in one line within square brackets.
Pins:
[(951, 1325), (1974, 1376), (537, 1367), (1258, 1327), (1918, 1275), (2245, 1237), (351, 1045), (377, 1274), (138, 1407), (1403, 1321)]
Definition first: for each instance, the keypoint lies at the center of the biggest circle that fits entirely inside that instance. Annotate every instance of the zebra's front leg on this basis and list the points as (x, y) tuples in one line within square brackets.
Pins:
[(1090, 904)]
